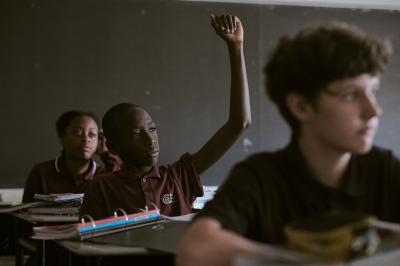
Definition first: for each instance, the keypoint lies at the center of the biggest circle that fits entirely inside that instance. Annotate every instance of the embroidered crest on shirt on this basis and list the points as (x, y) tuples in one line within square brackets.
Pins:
[(168, 198)]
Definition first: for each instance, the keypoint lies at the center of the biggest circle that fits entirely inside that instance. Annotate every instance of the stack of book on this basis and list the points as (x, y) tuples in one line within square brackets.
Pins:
[(21, 206), (49, 208), (60, 197), (54, 210)]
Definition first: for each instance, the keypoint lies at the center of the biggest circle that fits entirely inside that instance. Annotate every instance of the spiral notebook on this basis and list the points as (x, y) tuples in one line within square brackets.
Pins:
[(89, 228)]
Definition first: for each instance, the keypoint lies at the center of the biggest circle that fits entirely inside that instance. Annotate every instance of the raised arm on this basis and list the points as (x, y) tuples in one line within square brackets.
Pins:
[(230, 29), (206, 243)]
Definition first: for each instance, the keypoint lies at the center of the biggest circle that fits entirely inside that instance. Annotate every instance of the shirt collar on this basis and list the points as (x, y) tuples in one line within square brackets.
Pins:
[(127, 174), (60, 168), (296, 164)]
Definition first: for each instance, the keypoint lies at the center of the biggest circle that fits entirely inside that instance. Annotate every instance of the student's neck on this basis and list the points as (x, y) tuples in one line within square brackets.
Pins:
[(139, 171), (76, 167), (326, 164)]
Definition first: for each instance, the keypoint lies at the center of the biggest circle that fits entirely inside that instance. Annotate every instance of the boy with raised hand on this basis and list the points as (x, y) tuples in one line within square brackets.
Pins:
[(324, 81), (132, 134)]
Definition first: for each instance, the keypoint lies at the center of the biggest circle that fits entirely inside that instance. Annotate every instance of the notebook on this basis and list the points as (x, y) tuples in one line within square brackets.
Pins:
[(89, 228)]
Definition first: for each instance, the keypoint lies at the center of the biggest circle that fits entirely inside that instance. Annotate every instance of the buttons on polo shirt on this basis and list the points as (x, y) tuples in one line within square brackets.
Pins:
[(147, 190)]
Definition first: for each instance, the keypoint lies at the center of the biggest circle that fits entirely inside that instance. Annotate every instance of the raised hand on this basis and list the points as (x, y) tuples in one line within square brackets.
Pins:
[(228, 27)]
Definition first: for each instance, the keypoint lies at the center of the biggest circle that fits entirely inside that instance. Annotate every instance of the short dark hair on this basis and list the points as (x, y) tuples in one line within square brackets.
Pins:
[(111, 119), (65, 119), (316, 56)]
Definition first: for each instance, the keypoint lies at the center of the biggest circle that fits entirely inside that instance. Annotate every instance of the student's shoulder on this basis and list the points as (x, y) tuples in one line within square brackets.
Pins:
[(379, 164), (46, 163), (266, 161), (379, 153), (44, 166), (100, 168), (263, 156), (256, 171), (105, 177), (267, 157), (185, 161), (380, 150), (378, 158), (112, 179)]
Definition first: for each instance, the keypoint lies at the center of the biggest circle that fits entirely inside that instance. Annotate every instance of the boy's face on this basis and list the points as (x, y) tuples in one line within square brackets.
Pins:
[(137, 142), (345, 115), (80, 139)]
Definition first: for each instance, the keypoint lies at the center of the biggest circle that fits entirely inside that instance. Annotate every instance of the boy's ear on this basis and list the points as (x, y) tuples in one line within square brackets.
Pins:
[(299, 106)]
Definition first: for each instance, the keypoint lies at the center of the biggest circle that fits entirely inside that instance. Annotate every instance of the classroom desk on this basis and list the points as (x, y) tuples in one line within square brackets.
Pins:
[(90, 253), (87, 248), (153, 244), (23, 224)]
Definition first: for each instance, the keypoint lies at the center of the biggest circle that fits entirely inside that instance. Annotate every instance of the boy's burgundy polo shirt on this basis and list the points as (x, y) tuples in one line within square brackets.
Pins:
[(172, 188)]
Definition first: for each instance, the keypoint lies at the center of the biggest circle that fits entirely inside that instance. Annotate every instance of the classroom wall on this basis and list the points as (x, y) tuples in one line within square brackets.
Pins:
[(163, 55)]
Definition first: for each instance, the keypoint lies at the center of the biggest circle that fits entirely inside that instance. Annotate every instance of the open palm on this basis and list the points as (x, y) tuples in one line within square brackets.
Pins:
[(228, 27)]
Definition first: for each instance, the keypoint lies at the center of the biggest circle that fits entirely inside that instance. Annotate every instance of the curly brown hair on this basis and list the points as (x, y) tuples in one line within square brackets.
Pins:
[(317, 56)]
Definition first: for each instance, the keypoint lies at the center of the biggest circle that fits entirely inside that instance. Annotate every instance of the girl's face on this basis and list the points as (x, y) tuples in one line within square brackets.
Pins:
[(80, 139)]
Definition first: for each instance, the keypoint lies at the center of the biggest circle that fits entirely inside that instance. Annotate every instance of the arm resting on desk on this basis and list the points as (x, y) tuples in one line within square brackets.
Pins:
[(207, 243)]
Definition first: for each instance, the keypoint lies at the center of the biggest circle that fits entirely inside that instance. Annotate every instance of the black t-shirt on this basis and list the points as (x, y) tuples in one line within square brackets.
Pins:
[(268, 190)]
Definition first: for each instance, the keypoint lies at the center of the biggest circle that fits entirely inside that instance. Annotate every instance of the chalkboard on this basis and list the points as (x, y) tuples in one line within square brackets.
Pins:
[(162, 55)]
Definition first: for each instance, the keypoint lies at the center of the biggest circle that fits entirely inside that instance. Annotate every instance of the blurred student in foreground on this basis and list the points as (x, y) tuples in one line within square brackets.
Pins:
[(324, 81)]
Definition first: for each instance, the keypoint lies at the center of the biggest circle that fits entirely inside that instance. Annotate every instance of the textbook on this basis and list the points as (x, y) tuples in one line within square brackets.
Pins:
[(70, 207), (54, 210), (92, 228), (22, 206), (61, 197), (47, 218), (58, 201)]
